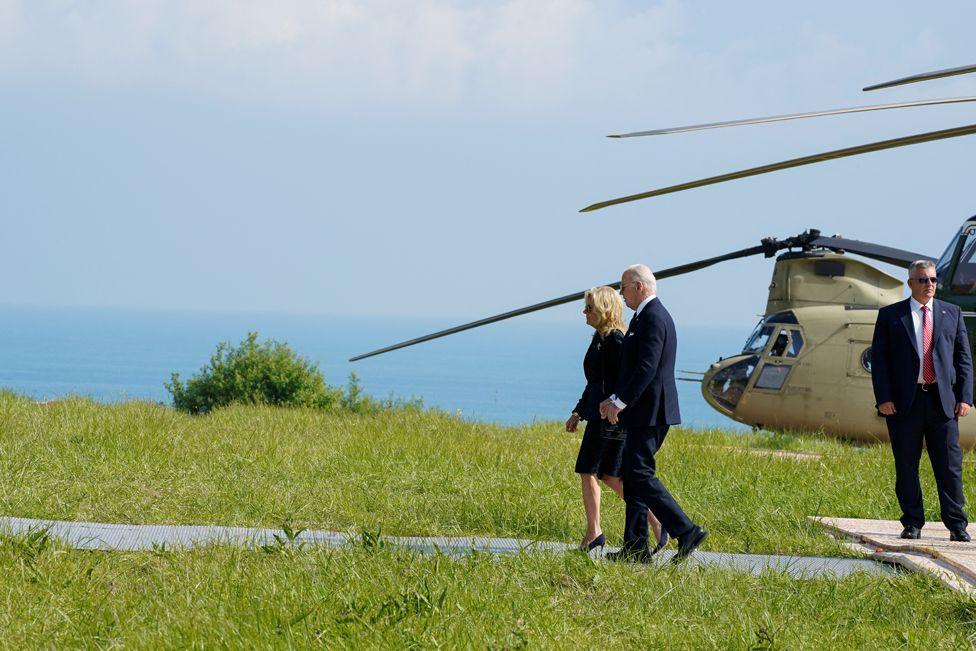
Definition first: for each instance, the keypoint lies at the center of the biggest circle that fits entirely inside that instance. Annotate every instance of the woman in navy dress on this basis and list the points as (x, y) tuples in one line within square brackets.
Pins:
[(600, 458)]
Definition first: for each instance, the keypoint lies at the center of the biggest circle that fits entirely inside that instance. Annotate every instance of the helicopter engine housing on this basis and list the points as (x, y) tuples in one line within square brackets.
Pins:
[(810, 279)]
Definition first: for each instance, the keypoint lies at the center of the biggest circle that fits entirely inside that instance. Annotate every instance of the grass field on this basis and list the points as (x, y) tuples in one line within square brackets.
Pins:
[(410, 472)]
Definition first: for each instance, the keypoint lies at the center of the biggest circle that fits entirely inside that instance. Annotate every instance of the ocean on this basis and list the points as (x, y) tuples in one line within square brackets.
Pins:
[(514, 372)]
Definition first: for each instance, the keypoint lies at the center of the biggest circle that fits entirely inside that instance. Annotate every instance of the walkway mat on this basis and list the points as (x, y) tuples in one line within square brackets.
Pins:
[(141, 537), (953, 563)]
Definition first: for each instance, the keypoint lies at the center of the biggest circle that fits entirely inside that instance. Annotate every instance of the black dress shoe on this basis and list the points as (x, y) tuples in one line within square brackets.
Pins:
[(689, 543), (911, 533), (959, 535), (629, 556)]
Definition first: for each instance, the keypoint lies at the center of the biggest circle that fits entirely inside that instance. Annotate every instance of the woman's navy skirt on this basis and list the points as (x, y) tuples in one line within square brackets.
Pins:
[(597, 455)]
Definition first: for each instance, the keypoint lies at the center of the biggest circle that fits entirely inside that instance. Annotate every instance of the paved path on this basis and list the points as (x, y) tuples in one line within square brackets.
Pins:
[(953, 563), (136, 537)]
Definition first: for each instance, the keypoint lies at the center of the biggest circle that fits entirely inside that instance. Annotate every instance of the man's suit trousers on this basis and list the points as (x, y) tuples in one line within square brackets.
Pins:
[(643, 490), (926, 422)]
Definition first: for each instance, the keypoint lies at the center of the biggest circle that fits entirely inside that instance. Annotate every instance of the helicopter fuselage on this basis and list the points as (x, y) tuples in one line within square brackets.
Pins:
[(807, 365)]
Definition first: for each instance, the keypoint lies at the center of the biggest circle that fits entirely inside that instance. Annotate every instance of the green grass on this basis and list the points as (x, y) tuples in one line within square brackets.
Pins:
[(355, 598), (411, 472)]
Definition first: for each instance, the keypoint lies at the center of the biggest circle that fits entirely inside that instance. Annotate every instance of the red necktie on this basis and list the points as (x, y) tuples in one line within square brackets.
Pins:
[(928, 368)]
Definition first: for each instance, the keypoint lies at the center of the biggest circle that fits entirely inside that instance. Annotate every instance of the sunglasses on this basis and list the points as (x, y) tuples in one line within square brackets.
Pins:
[(927, 281), (587, 308)]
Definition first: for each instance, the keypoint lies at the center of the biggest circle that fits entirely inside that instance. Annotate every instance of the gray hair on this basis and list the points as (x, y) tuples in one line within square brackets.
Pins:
[(642, 274), (920, 264)]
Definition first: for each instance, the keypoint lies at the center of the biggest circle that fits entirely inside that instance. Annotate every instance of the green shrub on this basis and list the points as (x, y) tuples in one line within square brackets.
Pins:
[(267, 373)]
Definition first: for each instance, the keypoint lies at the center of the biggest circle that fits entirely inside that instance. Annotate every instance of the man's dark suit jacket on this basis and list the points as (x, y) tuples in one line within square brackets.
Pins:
[(895, 361), (645, 382)]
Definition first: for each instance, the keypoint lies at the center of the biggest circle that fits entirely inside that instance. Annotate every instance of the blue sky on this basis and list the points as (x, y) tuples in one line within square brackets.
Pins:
[(428, 158)]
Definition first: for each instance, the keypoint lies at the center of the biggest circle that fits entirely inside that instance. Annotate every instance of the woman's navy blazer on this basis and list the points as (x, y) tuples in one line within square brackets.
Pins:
[(600, 367)]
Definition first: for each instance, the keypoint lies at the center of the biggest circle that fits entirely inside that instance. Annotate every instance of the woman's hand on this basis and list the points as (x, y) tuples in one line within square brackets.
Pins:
[(572, 423)]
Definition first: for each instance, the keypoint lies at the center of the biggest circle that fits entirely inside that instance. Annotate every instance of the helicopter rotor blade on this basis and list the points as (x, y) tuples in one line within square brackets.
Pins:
[(793, 116), (924, 76), (569, 298), (914, 139), (768, 247), (897, 257)]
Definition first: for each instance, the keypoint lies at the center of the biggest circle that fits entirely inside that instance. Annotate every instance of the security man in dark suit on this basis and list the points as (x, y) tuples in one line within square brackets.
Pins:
[(923, 383), (646, 404)]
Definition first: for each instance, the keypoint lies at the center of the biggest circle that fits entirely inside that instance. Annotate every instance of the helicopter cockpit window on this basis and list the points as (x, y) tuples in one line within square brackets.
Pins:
[(779, 346), (796, 343), (942, 266), (782, 317), (788, 343), (964, 277), (772, 376), (758, 339), (728, 385)]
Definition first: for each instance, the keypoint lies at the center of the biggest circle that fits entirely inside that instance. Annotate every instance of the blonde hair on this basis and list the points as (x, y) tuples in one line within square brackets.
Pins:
[(608, 309)]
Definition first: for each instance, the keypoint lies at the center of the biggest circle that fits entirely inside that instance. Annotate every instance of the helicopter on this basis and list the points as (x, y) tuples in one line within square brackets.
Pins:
[(807, 364)]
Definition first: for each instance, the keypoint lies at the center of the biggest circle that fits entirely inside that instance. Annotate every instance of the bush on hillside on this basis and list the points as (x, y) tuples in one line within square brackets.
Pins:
[(268, 373)]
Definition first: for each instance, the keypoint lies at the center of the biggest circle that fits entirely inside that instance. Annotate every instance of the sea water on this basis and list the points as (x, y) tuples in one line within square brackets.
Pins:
[(513, 372)]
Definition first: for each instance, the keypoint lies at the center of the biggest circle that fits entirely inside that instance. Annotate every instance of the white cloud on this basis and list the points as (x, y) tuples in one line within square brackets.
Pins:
[(459, 57), (512, 56)]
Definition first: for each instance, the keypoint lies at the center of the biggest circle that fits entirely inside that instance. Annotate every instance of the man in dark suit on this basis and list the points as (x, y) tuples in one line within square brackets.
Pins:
[(923, 383), (646, 403)]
